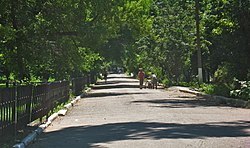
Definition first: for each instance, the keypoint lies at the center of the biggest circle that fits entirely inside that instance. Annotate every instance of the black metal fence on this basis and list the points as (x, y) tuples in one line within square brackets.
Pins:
[(78, 84), (21, 105), (7, 109)]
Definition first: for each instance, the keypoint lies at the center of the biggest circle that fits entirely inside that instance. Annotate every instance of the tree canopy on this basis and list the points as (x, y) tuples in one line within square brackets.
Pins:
[(61, 39)]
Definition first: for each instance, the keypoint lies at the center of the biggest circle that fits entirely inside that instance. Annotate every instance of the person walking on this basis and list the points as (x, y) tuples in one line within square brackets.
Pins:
[(141, 77), (154, 81)]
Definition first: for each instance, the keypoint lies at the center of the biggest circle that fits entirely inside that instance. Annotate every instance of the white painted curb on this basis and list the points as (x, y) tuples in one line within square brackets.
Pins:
[(68, 106), (53, 117), (19, 145), (62, 112)]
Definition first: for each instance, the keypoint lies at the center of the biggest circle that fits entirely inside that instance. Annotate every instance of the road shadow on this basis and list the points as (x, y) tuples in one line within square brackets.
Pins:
[(116, 82), (184, 102), (110, 94), (120, 77), (89, 136), (118, 85)]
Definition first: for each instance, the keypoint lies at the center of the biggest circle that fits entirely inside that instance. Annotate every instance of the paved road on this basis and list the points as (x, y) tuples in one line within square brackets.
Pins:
[(119, 114)]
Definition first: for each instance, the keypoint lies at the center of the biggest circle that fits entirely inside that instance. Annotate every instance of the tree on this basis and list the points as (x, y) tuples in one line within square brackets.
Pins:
[(226, 26), (197, 18)]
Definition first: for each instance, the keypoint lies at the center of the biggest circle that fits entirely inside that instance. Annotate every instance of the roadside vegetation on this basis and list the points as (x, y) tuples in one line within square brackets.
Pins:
[(55, 40)]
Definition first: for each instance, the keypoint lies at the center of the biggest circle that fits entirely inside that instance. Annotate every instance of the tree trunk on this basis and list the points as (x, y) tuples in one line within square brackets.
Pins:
[(197, 8)]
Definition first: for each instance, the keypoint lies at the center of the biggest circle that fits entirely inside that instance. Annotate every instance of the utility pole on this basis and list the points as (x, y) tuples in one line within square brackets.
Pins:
[(197, 8)]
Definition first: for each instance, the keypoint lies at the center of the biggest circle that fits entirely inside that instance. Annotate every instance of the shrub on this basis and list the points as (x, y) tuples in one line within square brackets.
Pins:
[(243, 90), (183, 84), (214, 89), (208, 88), (224, 74), (166, 82), (221, 90)]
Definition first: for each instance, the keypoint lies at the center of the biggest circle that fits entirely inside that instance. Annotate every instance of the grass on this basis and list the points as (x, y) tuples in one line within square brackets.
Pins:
[(2, 85)]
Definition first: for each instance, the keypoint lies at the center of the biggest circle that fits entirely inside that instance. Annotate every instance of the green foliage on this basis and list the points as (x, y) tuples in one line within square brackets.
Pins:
[(224, 74), (243, 90), (207, 88), (225, 28), (222, 90), (166, 47), (166, 82), (55, 39), (213, 89), (43, 40), (193, 84)]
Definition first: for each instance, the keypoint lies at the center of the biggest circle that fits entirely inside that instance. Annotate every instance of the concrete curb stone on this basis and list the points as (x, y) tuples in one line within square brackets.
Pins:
[(19, 145), (32, 136), (62, 112), (39, 130), (27, 140)]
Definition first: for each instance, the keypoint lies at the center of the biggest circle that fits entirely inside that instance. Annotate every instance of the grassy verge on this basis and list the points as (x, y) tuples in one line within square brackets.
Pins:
[(237, 89)]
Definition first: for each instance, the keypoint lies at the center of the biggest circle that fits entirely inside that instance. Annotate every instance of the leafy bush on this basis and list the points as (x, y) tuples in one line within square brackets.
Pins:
[(183, 84), (214, 89), (222, 90), (220, 75), (208, 88), (166, 82), (243, 90)]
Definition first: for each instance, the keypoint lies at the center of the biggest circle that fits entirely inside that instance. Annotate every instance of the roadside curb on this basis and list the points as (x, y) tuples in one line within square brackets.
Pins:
[(219, 99), (32, 136)]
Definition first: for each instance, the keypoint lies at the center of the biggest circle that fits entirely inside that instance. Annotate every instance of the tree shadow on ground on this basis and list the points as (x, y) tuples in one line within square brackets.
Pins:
[(110, 94), (115, 86), (184, 102), (116, 82), (88, 136), (120, 77)]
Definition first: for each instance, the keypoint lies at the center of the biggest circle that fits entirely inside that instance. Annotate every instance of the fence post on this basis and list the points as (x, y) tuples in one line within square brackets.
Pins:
[(1, 127), (73, 86), (15, 112), (30, 103), (47, 101), (92, 78), (89, 79)]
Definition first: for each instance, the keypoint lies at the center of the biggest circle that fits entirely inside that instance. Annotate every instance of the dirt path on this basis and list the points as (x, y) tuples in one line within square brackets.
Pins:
[(119, 114)]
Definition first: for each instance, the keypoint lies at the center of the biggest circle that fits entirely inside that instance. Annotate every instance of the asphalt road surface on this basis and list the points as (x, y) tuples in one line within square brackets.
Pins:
[(119, 114)]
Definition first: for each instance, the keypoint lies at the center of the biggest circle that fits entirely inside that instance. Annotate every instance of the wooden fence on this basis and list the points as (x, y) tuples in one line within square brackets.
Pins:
[(7, 109), (23, 104), (78, 84)]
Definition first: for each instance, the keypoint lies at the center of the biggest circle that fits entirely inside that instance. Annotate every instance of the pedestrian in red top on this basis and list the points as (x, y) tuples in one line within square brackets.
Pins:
[(141, 77)]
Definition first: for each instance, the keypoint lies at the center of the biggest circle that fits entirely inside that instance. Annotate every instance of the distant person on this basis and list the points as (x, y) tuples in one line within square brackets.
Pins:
[(105, 76), (154, 81), (141, 77)]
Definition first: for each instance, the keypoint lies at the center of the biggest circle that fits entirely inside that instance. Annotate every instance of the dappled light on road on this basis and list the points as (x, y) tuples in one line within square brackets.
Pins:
[(87, 136), (119, 114)]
